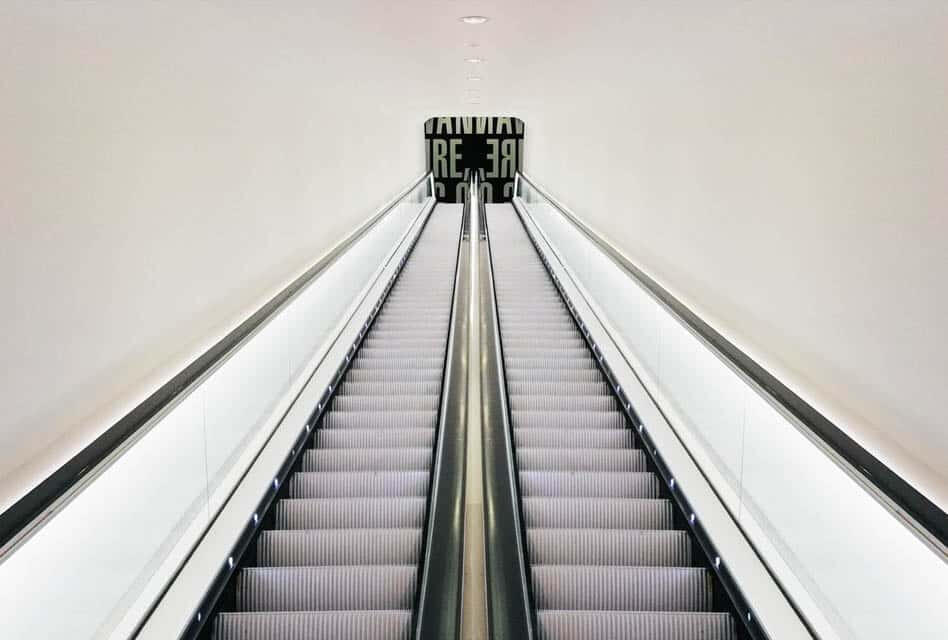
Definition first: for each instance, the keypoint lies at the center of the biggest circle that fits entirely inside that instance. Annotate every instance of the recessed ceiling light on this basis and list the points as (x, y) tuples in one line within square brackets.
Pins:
[(473, 45), (475, 60), (474, 78), (473, 19)]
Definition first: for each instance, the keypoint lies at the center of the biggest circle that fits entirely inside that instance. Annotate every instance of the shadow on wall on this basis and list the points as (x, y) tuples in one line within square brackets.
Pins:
[(493, 146)]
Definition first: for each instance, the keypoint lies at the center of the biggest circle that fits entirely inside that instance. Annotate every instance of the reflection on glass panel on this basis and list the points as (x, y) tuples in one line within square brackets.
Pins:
[(75, 576)]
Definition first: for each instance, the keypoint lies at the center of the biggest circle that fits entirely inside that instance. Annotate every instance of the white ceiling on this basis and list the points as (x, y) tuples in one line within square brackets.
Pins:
[(425, 45)]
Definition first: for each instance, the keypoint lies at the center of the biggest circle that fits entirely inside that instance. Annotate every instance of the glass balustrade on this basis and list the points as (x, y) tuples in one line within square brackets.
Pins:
[(96, 565), (851, 565)]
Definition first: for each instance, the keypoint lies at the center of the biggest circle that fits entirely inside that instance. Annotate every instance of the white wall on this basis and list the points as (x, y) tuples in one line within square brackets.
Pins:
[(783, 167), (165, 168), (778, 165)]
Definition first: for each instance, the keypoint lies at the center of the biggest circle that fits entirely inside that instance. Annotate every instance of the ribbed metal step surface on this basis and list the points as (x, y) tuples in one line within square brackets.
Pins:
[(342, 558), (606, 561)]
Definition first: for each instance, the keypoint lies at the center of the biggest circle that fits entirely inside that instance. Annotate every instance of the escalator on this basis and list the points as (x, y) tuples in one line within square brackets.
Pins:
[(605, 553), (340, 552)]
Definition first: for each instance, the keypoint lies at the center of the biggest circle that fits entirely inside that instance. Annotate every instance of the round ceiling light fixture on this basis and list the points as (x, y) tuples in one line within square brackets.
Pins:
[(475, 60), (473, 19), (474, 78)]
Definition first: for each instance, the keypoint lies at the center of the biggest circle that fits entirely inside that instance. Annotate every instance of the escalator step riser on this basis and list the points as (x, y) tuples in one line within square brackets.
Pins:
[(350, 513), (622, 588), (398, 353), (541, 342), (562, 403), (432, 325), (581, 460), (574, 438), (325, 588), (339, 547), (567, 420), (554, 375), (314, 625), (597, 513), (622, 625), (353, 484), (558, 388), (569, 484), (380, 420), (401, 388), (403, 343), (539, 366), (609, 547), (394, 375), (401, 459), (435, 364), (546, 352), (374, 438), (542, 334), (390, 402)]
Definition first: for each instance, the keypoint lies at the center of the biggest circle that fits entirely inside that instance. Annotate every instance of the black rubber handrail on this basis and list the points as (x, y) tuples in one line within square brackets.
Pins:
[(26, 512), (926, 514), (510, 611)]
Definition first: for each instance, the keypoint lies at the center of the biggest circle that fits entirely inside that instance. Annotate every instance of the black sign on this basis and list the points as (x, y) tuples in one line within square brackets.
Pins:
[(492, 146)]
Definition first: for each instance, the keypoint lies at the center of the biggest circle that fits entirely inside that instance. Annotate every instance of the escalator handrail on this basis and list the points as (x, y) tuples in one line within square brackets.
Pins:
[(915, 509), (511, 613), (31, 510)]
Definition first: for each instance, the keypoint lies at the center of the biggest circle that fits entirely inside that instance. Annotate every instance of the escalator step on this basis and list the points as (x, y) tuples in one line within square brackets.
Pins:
[(403, 388), (409, 321), (602, 484), (325, 588), (417, 333), (597, 513), (621, 625), (314, 625), (350, 513), (567, 420), (562, 403), (540, 365), (380, 420), (400, 459), (353, 484), (338, 547), (430, 342), (609, 547), (536, 459), (394, 375), (622, 588), (374, 438), (558, 388), (574, 438), (388, 402), (539, 342), (559, 351), (394, 351), (399, 363), (554, 375)]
